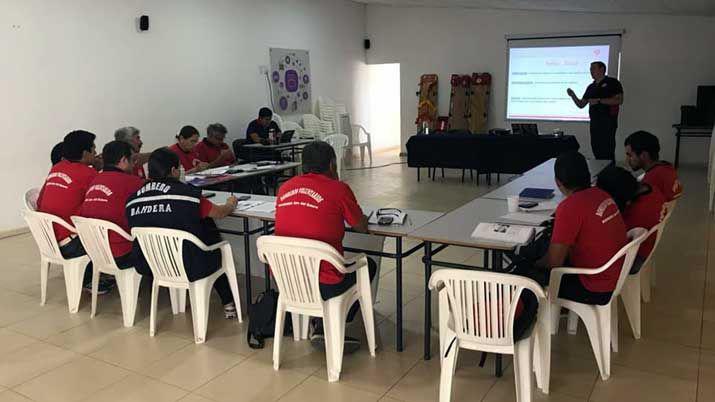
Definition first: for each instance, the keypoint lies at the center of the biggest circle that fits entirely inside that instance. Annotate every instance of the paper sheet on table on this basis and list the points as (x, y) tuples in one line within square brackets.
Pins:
[(266, 207), (244, 205), (522, 218), (214, 171), (543, 206)]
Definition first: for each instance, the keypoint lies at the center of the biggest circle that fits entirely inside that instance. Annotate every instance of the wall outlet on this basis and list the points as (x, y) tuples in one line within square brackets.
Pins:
[(263, 70)]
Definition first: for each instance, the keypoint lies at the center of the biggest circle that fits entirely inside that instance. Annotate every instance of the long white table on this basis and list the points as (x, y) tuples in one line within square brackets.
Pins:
[(541, 176), (203, 180), (415, 220), (455, 229)]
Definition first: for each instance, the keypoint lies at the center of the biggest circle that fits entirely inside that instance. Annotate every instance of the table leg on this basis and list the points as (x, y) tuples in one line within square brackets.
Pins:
[(677, 148), (428, 301), (266, 269), (497, 260), (398, 291), (247, 260), (486, 258), (418, 174)]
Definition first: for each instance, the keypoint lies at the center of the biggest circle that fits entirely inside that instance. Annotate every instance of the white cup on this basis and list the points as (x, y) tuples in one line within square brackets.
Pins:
[(512, 203)]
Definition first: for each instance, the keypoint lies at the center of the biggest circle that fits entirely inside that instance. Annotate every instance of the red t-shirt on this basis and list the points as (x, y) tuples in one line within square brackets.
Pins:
[(589, 222), (106, 199), (187, 159), (645, 212), (63, 192), (664, 177), (208, 152), (314, 206)]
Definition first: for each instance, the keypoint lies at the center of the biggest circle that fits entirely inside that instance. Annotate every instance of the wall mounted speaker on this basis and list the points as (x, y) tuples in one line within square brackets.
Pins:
[(366, 44), (144, 23)]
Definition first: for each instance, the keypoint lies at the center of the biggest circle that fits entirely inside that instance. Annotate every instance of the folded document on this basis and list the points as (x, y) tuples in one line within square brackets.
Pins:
[(503, 233)]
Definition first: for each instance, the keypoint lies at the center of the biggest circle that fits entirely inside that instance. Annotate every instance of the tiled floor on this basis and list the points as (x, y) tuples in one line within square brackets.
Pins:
[(46, 354)]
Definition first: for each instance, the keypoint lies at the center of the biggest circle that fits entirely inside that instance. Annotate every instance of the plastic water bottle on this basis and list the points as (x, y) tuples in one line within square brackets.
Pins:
[(182, 174)]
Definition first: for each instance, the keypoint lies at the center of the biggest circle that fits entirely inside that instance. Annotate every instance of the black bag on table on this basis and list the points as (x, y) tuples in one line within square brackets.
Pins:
[(262, 320)]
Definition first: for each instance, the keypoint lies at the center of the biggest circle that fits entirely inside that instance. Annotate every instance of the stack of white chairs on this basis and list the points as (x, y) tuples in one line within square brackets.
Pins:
[(163, 250), (94, 234), (601, 322), (477, 312), (295, 264), (279, 121), (339, 142), (317, 128), (41, 227)]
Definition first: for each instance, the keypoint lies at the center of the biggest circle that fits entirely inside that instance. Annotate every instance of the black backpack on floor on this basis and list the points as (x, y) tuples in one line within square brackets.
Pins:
[(262, 320)]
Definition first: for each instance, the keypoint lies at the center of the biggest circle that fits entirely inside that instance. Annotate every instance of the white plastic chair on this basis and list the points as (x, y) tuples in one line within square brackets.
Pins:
[(361, 138), (291, 125), (279, 121), (163, 250), (601, 321), (476, 311), (338, 142), (41, 227), (295, 264), (30, 198), (648, 277), (94, 234), (317, 128), (631, 292)]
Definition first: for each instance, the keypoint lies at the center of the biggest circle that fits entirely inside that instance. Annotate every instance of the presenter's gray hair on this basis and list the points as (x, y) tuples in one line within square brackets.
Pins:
[(216, 128), (125, 133)]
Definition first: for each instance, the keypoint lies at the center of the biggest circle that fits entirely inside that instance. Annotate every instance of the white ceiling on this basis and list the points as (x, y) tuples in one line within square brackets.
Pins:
[(673, 7)]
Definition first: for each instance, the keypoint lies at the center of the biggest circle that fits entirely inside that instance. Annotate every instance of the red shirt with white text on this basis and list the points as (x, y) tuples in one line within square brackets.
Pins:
[(314, 206), (664, 177), (63, 192), (645, 212)]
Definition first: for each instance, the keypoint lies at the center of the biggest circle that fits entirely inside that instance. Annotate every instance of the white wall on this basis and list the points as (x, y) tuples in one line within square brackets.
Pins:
[(81, 64), (383, 105), (664, 59)]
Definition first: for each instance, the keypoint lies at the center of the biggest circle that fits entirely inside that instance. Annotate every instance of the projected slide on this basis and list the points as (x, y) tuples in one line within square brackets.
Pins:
[(539, 76)]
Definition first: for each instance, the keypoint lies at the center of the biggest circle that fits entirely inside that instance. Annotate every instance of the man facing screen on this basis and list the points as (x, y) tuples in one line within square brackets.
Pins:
[(604, 97)]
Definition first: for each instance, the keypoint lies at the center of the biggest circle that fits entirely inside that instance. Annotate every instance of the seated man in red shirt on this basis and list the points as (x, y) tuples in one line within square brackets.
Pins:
[(588, 231), (642, 152), (212, 149), (185, 149), (316, 206), (641, 205), (63, 192), (107, 197), (131, 135)]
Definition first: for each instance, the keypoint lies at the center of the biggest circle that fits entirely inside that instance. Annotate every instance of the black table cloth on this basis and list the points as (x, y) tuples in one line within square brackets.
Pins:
[(511, 154)]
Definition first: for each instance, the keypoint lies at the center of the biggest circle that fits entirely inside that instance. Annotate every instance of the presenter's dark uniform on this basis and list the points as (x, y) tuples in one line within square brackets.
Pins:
[(604, 118), (172, 204)]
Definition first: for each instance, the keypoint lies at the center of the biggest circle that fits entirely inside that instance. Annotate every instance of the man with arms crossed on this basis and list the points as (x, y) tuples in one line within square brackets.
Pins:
[(604, 97), (131, 135)]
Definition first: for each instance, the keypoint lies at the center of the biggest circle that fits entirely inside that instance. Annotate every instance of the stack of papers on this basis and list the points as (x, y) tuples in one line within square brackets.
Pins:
[(256, 206), (504, 233), (244, 205), (215, 171), (523, 218)]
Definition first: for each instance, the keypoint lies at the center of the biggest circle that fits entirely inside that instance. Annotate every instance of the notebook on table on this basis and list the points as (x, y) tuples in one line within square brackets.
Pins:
[(537, 193)]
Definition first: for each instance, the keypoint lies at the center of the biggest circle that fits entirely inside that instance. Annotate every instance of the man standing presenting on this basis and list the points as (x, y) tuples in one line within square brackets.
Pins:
[(604, 97)]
